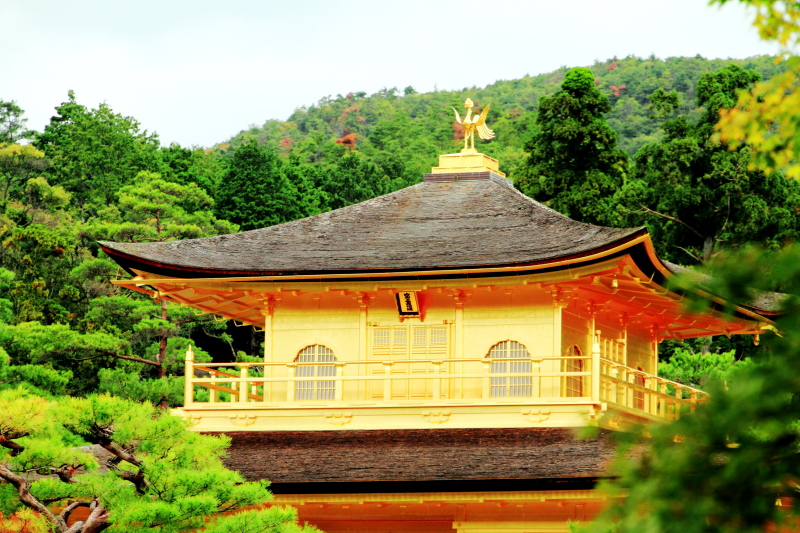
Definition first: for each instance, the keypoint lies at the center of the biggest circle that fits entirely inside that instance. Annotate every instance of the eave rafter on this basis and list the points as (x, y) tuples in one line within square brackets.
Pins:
[(639, 297), (245, 307)]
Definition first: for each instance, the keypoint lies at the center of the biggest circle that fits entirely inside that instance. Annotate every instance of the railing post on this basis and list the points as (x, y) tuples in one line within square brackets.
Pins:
[(243, 384), (188, 378), (291, 384), (387, 382), (630, 395), (596, 367), (679, 397), (213, 393), (662, 404), (613, 387), (487, 379), (338, 392), (437, 381)]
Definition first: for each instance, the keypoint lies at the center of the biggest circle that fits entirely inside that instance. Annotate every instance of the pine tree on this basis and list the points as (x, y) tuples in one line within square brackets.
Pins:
[(574, 164)]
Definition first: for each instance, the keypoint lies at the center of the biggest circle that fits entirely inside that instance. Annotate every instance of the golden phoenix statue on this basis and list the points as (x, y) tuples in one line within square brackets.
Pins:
[(472, 124)]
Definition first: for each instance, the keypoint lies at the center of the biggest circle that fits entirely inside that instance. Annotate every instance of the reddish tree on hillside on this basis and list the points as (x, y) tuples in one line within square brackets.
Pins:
[(348, 140)]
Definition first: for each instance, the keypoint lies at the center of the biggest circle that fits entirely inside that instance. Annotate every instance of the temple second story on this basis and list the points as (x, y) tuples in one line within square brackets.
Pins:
[(455, 303)]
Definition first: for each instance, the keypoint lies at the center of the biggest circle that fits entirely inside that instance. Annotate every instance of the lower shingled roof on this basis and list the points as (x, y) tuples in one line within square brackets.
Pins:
[(471, 457)]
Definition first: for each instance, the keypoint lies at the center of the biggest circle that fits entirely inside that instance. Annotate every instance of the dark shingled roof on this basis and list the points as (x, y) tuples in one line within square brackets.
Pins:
[(431, 225), (292, 457)]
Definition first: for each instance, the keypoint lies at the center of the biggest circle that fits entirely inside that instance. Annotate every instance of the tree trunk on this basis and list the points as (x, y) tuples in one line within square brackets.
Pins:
[(162, 345), (708, 249)]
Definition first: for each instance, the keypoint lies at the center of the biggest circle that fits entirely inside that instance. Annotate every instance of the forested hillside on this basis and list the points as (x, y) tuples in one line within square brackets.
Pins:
[(404, 131)]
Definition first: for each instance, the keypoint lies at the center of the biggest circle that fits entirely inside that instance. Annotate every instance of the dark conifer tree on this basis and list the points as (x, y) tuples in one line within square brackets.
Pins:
[(697, 196), (574, 164), (255, 192)]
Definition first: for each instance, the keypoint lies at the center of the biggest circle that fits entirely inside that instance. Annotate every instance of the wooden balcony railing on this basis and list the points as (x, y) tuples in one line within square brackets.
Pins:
[(529, 381), (637, 391)]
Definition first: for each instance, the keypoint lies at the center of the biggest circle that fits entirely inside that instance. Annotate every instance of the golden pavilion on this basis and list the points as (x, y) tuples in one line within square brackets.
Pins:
[(428, 354)]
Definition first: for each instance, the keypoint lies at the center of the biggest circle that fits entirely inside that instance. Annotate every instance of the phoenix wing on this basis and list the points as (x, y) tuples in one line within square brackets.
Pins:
[(482, 118), (458, 117), (483, 130)]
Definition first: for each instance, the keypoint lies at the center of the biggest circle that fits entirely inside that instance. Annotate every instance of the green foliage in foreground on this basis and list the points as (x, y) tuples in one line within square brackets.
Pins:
[(160, 476), (722, 469)]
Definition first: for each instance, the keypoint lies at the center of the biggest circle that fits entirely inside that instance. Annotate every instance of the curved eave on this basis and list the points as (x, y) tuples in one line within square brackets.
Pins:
[(638, 247), (132, 263)]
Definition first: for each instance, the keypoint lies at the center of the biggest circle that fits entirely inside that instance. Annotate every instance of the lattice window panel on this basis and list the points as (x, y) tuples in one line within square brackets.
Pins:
[(390, 342), (429, 341), (416, 343), (315, 389), (511, 386)]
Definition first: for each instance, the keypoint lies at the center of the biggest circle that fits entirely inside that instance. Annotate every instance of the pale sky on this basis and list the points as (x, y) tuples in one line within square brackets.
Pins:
[(198, 72)]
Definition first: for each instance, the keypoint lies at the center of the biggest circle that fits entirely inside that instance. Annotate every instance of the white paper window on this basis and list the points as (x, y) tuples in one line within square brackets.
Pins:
[(317, 387), (510, 386)]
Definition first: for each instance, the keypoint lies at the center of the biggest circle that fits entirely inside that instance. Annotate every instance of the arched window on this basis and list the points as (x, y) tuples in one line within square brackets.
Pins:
[(510, 386), (573, 385), (315, 389)]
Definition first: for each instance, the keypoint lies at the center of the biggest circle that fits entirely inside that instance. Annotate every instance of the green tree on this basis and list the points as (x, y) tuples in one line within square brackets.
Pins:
[(40, 248), (67, 315), (697, 196), (18, 163), (187, 166), (255, 192), (766, 117), (355, 179), (574, 164), (12, 125), (95, 152), (160, 476), (696, 369), (153, 209)]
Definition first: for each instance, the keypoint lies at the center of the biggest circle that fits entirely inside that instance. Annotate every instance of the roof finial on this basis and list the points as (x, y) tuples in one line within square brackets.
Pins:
[(471, 125)]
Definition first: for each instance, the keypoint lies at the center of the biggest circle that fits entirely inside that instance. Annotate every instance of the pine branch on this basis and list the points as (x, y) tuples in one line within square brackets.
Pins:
[(29, 500), (119, 356), (681, 222), (6, 442)]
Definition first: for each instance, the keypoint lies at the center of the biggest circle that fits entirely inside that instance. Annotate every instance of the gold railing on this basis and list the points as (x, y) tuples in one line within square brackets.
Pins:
[(639, 392), (529, 380), (384, 381)]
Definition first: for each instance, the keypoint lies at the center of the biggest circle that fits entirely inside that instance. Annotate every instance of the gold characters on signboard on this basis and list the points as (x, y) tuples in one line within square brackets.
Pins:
[(472, 124)]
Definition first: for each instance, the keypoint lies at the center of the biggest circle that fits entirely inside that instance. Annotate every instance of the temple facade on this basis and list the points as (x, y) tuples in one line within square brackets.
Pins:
[(429, 354)]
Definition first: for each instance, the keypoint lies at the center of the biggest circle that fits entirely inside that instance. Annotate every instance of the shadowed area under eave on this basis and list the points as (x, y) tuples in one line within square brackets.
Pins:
[(431, 225)]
